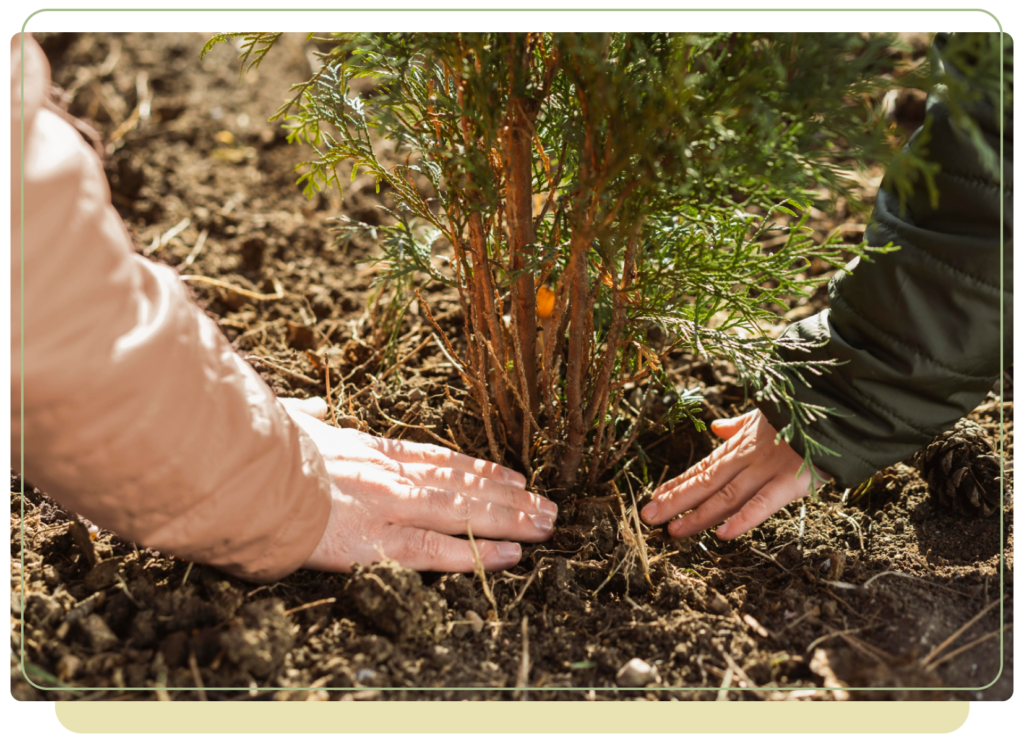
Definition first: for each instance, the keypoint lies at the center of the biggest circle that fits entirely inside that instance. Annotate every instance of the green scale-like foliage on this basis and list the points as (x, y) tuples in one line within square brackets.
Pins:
[(662, 160)]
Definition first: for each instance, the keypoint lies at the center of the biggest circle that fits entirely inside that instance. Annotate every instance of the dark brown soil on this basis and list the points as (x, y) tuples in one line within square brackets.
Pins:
[(857, 593)]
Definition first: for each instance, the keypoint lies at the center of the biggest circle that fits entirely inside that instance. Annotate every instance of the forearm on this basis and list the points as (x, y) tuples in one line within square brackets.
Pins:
[(137, 413)]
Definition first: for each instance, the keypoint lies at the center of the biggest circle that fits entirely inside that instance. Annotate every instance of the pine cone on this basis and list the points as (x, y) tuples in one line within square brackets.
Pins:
[(962, 469)]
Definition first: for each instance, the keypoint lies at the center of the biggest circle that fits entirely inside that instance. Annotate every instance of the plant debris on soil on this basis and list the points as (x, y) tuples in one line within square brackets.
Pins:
[(880, 588)]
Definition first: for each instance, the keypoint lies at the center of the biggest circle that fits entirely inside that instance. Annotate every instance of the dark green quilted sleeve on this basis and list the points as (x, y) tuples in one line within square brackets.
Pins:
[(917, 330)]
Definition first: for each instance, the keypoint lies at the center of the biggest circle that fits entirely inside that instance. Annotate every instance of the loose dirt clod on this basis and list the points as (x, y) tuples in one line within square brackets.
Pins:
[(393, 600), (259, 637)]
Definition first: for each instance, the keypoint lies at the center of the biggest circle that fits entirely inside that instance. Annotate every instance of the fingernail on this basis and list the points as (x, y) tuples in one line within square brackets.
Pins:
[(675, 528), (509, 550), (543, 523), (650, 512), (723, 529), (547, 508)]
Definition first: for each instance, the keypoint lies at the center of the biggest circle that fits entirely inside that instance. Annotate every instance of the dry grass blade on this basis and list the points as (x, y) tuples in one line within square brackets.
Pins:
[(188, 570), (196, 676), (387, 373), (524, 663), (917, 579), (927, 659), (478, 566), (723, 690), (197, 247), (632, 537), (234, 288), (167, 236), (769, 558), (610, 577), (745, 679), (310, 605), (641, 543), (327, 389), (522, 591), (964, 648), (284, 370), (833, 633)]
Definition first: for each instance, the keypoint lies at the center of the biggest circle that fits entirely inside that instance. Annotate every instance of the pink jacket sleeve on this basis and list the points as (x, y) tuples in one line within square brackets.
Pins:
[(137, 413)]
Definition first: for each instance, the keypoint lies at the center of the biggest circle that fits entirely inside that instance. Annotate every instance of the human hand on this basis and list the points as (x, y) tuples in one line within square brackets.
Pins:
[(405, 501), (747, 479)]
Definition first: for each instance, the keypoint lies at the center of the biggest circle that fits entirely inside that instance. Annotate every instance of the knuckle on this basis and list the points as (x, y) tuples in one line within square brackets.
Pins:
[(510, 496), (729, 493), (456, 505), (443, 476), (756, 507), (389, 465), (431, 546), (497, 516)]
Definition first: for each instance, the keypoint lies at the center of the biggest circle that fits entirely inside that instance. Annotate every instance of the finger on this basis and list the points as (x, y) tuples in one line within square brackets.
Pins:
[(315, 407), (720, 505), (442, 477), (728, 427), (694, 486), (770, 499), (426, 550), (447, 511), (425, 453)]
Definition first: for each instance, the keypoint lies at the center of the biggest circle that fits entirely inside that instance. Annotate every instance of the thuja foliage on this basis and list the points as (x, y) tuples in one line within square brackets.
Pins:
[(598, 201)]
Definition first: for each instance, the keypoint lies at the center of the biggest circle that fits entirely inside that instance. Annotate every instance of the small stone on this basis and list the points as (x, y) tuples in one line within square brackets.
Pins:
[(97, 634), (718, 604), (475, 621), (636, 673), (829, 609), (367, 677), (103, 574), (68, 666)]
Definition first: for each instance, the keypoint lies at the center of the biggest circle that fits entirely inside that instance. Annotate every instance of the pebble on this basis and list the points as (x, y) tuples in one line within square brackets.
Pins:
[(636, 673), (475, 621), (718, 604), (97, 634), (367, 677), (68, 666), (103, 574)]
